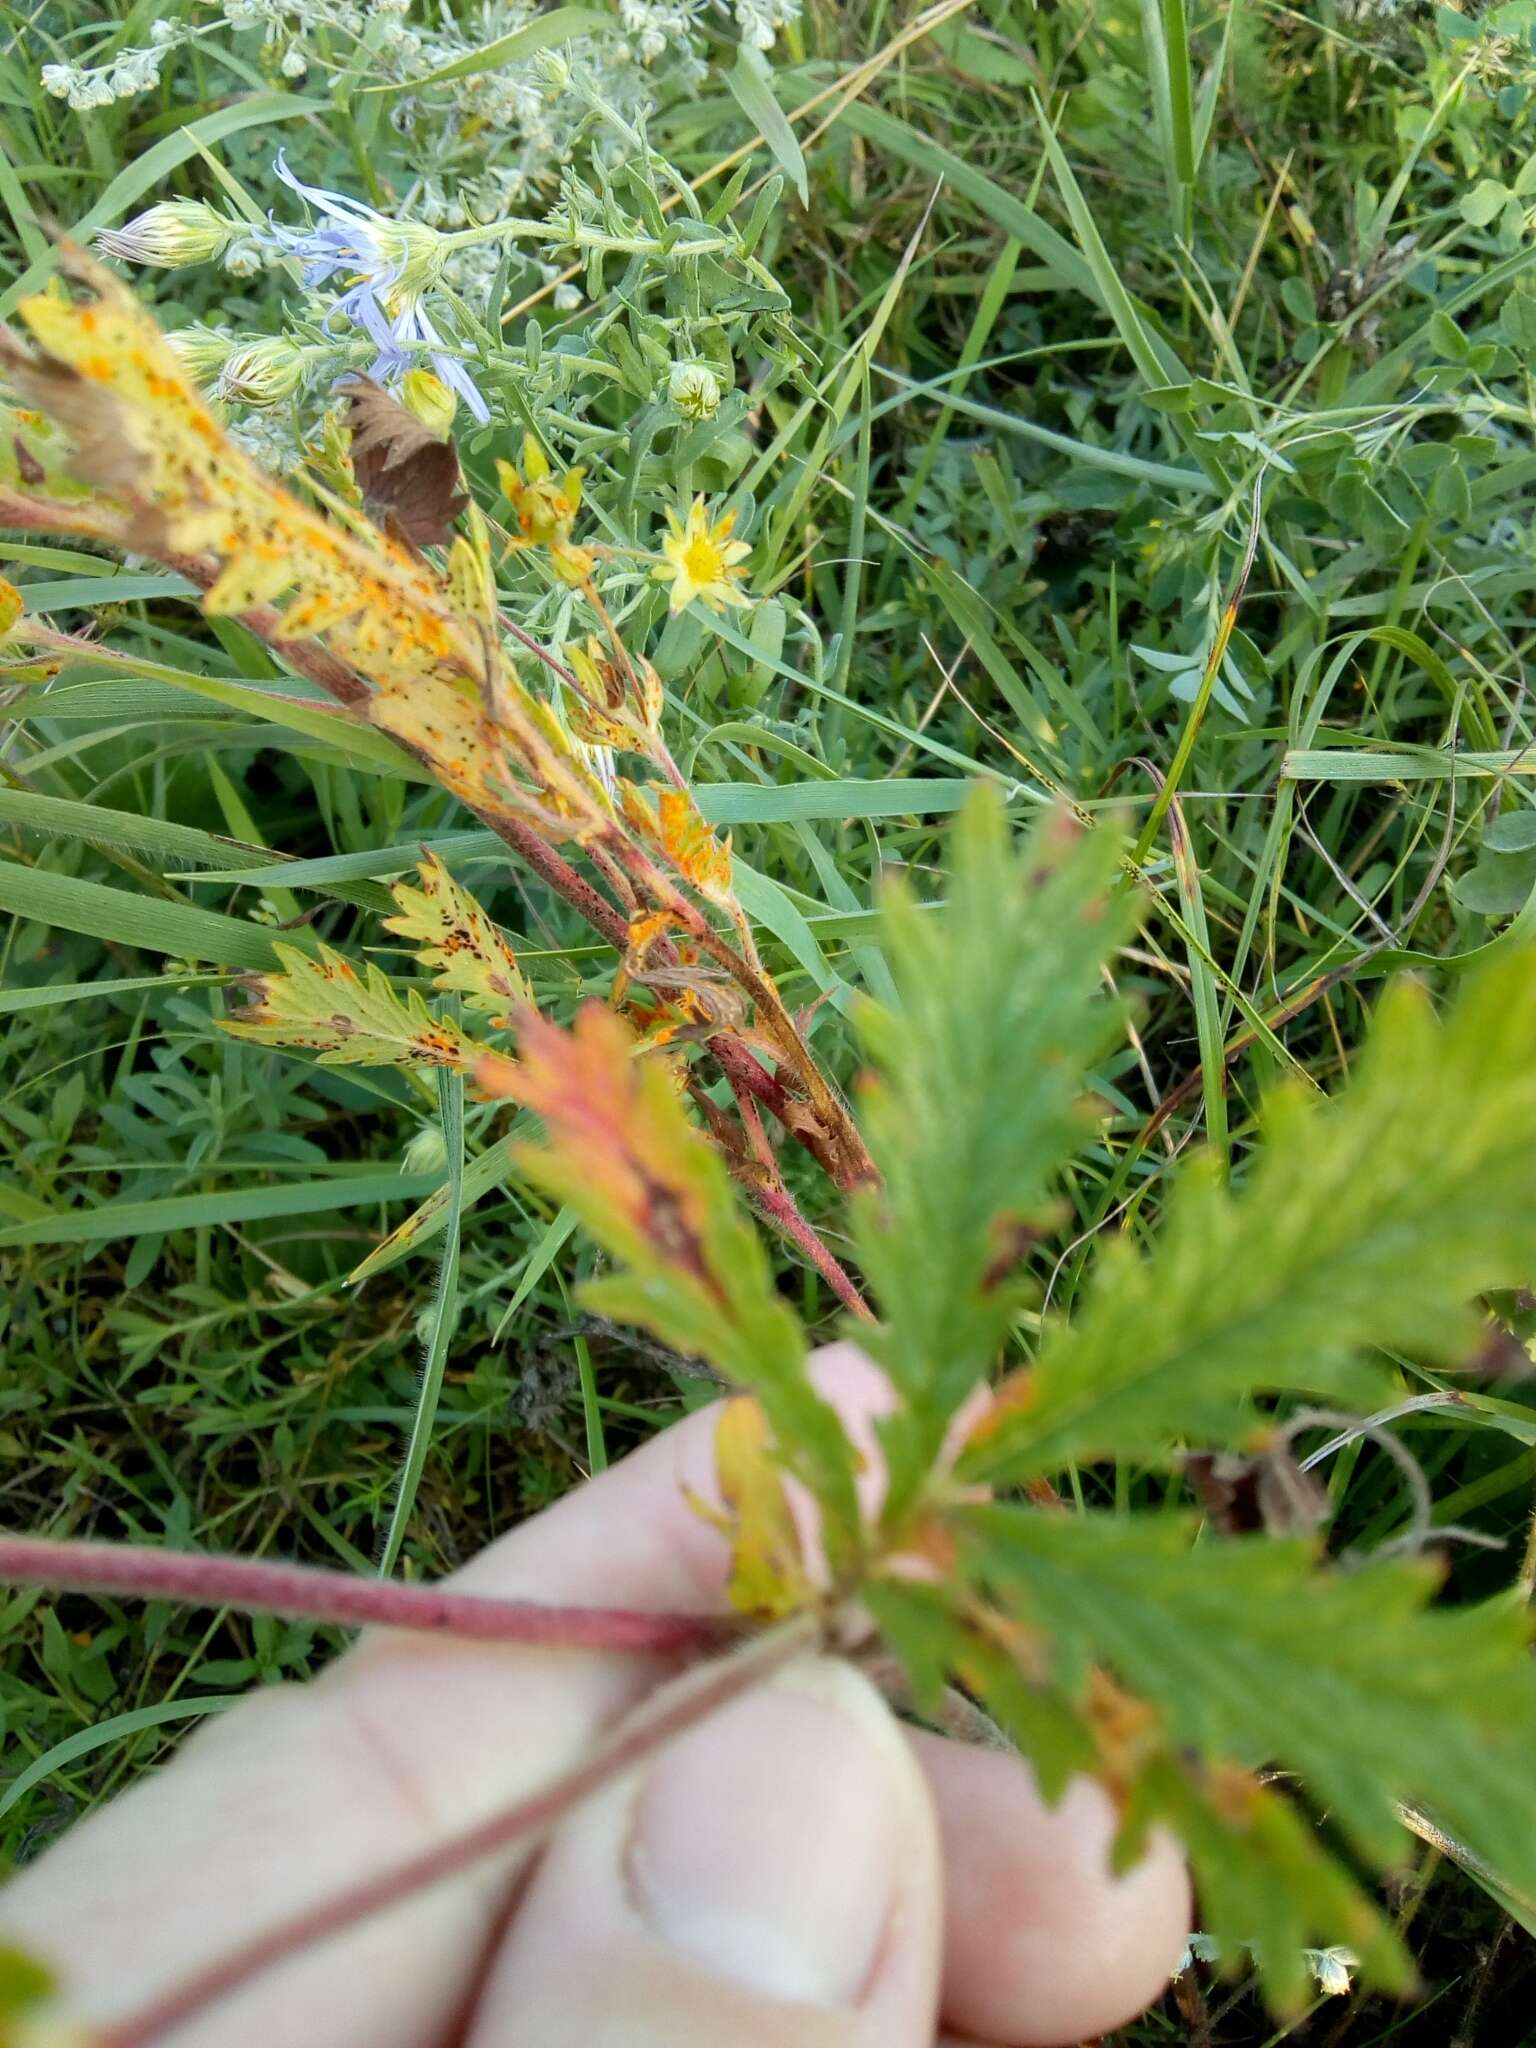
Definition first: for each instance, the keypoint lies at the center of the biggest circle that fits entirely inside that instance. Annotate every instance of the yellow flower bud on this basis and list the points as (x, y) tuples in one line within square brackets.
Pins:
[(428, 397)]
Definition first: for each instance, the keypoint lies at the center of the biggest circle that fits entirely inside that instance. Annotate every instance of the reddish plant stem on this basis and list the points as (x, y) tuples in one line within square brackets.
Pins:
[(554, 869), (777, 1204), (343, 1600), (766, 1190), (308, 658), (669, 1712), (542, 653), (836, 1145)]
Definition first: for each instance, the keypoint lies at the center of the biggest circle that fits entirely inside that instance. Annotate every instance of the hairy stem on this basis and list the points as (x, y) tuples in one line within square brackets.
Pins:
[(339, 1598), (840, 1150), (765, 1189), (774, 1201), (670, 1711)]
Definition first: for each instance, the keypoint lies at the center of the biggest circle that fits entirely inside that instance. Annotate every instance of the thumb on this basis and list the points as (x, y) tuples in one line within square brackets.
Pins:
[(770, 1878)]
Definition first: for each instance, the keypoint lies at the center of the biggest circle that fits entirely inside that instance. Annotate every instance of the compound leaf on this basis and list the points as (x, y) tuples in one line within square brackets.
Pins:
[(347, 1019), (1247, 1651), (448, 930), (1370, 1220)]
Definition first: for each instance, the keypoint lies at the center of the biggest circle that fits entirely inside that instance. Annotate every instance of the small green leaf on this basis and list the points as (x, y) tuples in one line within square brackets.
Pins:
[(347, 1019), (1484, 203)]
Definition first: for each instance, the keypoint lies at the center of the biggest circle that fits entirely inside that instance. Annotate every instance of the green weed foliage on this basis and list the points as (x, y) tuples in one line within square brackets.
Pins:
[(1121, 765)]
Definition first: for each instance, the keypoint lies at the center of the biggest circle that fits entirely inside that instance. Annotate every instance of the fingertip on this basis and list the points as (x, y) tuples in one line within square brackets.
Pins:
[(1044, 1944)]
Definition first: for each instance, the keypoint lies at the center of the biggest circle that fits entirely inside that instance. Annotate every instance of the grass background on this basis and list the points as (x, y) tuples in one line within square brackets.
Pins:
[(1097, 295)]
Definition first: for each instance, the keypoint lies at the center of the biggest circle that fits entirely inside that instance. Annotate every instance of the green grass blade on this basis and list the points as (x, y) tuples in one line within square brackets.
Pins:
[(445, 1308), (114, 1220), (116, 1728), (140, 176), (124, 919)]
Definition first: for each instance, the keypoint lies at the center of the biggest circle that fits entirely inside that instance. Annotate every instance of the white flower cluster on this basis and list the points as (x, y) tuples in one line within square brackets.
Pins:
[(88, 86), (761, 20), (658, 25), (487, 135)]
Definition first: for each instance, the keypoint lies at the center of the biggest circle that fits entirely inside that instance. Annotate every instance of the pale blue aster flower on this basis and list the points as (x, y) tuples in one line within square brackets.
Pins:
[(387, 265)]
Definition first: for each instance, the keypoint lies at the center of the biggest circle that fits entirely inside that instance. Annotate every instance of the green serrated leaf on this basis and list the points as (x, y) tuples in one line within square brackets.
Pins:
[(1368, 1221), (1246, 1650), (975, 1101), (919, 1623)]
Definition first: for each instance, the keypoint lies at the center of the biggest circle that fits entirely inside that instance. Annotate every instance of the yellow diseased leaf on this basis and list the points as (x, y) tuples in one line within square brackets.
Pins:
[(693, 849), (768, 1576), (254, 578), (610, 708), (448, 724), (346, 1019), (11, 606), (470, 579), (307, 617), (143, 434), (448, 930)]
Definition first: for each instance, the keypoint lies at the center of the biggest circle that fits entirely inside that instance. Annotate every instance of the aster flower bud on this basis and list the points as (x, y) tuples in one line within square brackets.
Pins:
[(202, 351), (262, 372), (427, 1151), (177, 232), (694, 391), (244, 259)]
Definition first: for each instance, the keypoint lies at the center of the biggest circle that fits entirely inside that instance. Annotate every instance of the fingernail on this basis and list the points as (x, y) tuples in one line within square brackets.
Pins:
[(769, 1842)]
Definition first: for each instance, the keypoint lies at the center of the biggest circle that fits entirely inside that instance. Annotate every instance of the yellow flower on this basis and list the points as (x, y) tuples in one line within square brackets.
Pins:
[(702, 559), (543, 511)]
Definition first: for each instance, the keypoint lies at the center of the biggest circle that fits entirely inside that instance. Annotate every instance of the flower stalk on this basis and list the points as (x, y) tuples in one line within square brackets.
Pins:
[(343, 1599)]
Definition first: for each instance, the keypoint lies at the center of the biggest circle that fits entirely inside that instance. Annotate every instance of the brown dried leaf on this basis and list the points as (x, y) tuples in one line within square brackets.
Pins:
[(408, 477), (1267, 1492)]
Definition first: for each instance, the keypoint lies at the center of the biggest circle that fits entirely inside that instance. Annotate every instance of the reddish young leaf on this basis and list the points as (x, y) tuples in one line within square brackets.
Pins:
[(623, 1155)]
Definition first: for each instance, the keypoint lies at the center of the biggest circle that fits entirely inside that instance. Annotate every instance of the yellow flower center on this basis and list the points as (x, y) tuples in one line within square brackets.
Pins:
[(702, 560)]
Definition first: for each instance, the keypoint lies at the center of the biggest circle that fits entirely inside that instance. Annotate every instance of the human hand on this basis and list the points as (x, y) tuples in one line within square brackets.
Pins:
[(799, 1871)]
